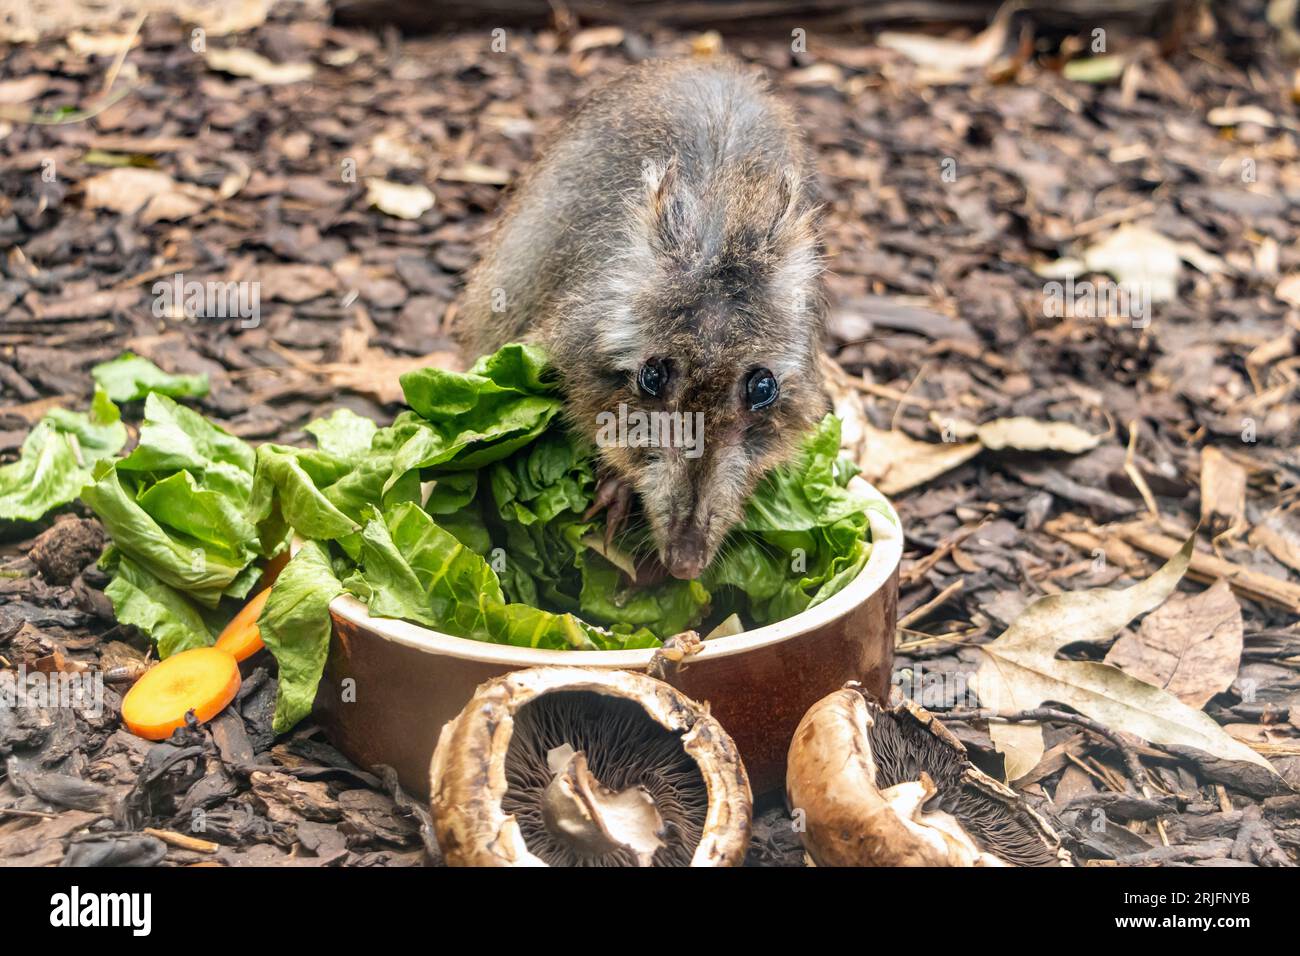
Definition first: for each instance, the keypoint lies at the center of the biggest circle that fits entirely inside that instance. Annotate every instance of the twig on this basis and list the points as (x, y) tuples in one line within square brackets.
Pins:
[(182, 841), (898, 410), (937, 601), (1039, 714), (111, 77), (1135, 475)]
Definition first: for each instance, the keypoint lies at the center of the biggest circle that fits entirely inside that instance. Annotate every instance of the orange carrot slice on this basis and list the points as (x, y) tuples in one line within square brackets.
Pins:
[(241, 637), (202, 679)]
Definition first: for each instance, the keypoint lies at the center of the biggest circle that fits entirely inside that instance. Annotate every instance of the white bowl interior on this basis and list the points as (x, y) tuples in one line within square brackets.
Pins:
[(886, 552)]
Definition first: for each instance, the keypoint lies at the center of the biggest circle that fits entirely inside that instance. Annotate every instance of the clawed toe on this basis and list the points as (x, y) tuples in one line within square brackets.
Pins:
[(614, 496)]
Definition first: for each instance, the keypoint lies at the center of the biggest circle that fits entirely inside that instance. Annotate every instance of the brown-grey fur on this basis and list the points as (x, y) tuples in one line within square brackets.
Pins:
[(674, 216)]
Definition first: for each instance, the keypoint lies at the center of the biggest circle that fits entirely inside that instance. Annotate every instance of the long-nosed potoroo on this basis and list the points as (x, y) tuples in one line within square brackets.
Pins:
[(664, 249)]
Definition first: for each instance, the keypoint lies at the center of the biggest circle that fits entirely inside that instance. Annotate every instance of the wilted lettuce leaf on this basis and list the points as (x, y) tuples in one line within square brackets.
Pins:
[(165, 614), (130, 377), (56, 459), (193, 566), (287, 493), (345, 434), (175, 438), (295, 626), (177, 509), (413, 569), (470, 419), (804, 534)]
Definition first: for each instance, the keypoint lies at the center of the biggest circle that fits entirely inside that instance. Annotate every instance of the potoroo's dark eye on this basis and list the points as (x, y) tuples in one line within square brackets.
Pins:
[(652, 378), (761, 389)]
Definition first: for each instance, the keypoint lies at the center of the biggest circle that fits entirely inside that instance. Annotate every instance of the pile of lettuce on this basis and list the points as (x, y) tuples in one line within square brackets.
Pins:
[(465, 515)]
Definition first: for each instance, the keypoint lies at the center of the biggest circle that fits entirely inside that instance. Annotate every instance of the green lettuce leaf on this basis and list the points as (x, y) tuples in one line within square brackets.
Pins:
[(471, 419), (295, 626), (57, 457), (162, 612), (178, 506), (175, 438), (413, 569), (130, 377), (345, 434), (186, 563)]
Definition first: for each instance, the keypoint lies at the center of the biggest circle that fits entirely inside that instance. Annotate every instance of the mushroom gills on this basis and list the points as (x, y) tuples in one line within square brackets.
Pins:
[(594, 819), (905, 751), (592, 780)]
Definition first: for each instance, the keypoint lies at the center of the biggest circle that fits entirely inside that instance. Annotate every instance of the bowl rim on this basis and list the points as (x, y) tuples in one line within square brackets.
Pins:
[(886, 555)]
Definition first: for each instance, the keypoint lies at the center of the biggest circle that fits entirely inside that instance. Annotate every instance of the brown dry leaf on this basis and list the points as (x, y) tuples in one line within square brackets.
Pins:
[(396, 199), (1223, 490), (949, 56), (366, 370), (395, 146), (296, 282), (819, 74), (377, 375), (1237, 115), (1288, 290), (229, 16), (894, 463), (169, 207), (1190, 645), (23, 88), (240, 62), (126, 189), (846, 402), (475, 173), (100, 44), (595, 37), (152, 193), (1020, 671), (1279, 535), (1139, 258), (1029, 434)]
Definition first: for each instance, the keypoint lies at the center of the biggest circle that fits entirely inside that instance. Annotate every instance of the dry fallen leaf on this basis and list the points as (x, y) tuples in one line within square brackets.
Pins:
[(1223, 491), (894, 463), (100, 44), (126, 189), (169, 207), (23, 88), (240, 62), (1190, 645), (360, 367), (475, 173), (221, 19), (846, 402), (1029, 434), (395, 199), (1020, 671), (1236, 115), (1279, 535), (1288, 290), (1140, 258), (152, 193), (594, 37), (948, 55), (295, 282)]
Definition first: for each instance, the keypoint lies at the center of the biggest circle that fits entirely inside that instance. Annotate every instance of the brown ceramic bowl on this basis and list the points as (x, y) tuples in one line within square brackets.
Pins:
[(409, 680)]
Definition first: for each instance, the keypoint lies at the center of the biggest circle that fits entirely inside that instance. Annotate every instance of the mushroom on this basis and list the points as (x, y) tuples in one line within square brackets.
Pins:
[(891, 786), (567, 766)]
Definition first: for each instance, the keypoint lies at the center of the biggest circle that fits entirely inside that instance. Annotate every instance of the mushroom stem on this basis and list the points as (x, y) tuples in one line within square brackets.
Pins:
[(595, 820)]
